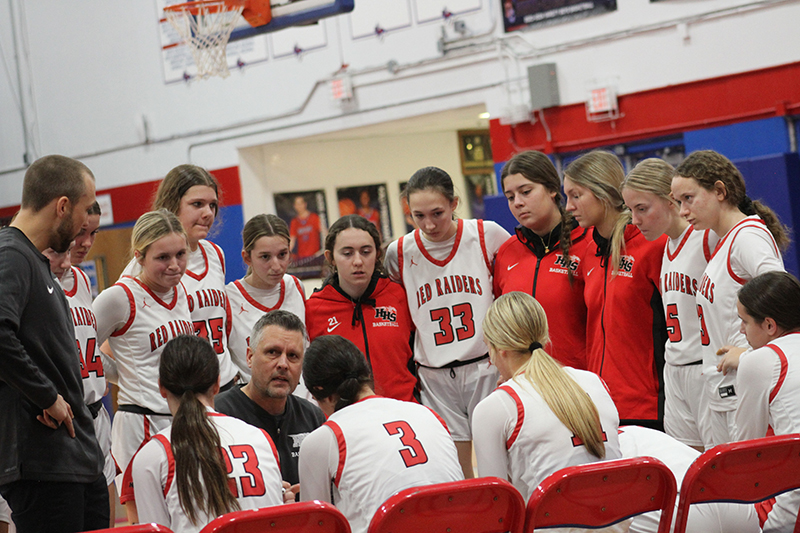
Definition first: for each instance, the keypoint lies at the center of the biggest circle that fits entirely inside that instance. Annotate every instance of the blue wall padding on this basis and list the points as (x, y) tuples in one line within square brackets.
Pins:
[(227, 234), (497, 210), (743, 140), (775, 180)]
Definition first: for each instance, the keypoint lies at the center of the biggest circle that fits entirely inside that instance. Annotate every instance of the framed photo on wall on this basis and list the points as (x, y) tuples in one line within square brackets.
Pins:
[(478, 186), (409, 221), (476, 150), (306, 215), (369, 201)]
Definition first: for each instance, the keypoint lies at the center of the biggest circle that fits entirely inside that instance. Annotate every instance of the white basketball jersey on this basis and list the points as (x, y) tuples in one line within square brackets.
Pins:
[(248, 304), (539, 444), (205, 285), (79, 295), (448, 293), (746, 251), (770, 397), (385, 446), (253, 468), (137, 346), (682, 267)]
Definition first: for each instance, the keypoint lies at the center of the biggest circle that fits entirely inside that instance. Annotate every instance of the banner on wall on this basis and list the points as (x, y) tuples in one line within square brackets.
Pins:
[(518, 14), (369, 201), (307, 217)]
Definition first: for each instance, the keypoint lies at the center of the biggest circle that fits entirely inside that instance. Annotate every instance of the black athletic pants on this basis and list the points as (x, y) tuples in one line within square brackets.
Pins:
[(55, 507)]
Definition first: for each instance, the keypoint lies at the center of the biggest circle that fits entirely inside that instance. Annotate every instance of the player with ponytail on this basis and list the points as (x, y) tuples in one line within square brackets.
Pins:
[(205, 464), (544, 417), (712, 195), (625, 326), (543, 259), (371, 447)]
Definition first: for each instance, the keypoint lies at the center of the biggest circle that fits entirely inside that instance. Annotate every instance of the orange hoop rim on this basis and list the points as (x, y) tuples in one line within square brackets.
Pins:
[(212, 6)]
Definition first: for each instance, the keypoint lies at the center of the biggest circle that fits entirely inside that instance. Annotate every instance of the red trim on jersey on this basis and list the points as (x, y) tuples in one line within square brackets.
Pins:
[(300, 288), (127, 494), (400, 257), (74, 291), (784, 369), (439, 418), (272, 445), (482, 237), (255, 303), (159, 301), (205, 261), (730, 232), (421, 246), (219, 254), (131, 314), (737, 279), (672, 256), (228, 317), (520, 414), (170, 461), (707, 252), (763, 509), (337, 432)]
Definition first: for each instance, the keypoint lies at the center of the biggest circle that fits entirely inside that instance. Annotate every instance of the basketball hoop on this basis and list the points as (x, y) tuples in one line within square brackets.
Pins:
[(205, 27)]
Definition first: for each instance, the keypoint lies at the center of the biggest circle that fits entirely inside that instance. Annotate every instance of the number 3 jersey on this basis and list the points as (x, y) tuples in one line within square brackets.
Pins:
[(371, 450), (79, 295), (518, 437), (449, 289), (250, 457)]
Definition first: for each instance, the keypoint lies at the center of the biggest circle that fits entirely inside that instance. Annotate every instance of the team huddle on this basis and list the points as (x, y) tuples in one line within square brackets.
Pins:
[(647, 314)]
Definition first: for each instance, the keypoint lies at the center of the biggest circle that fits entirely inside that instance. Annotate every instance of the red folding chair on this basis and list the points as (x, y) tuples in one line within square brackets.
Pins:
[(601, 494), (303, 517), (138, 528), (743, 472), (482, 505)]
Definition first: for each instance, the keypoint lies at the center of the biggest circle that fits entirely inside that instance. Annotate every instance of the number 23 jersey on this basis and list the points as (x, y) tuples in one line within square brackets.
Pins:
[(371, 450), (449, 289)]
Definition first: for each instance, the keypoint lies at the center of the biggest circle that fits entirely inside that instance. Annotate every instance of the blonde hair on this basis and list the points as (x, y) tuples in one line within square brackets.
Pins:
[(602, 173), (517, 322), (652, 175), (152, 226)]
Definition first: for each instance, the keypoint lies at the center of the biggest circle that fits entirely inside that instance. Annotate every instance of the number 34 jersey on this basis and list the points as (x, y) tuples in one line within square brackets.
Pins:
[(371, 450), (449, 289)]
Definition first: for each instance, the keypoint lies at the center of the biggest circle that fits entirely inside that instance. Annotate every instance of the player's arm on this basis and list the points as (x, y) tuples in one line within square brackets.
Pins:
[(489, 421), (754, 384), (495, 236), (319, 459), (112, 309), (149, 470), (391, 264)]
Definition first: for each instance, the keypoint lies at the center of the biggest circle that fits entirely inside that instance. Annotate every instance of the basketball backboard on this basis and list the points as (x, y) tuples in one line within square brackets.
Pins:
[(293, 13)]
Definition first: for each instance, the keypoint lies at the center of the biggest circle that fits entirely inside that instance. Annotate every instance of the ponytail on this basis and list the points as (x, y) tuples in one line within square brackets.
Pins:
[(189, 368), (516, 322), (779, 232)]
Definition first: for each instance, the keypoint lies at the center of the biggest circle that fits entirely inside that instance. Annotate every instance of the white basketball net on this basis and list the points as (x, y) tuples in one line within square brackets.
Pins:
[(206, 33)]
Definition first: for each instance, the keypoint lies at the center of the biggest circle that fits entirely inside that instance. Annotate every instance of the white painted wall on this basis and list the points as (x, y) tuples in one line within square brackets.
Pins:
[(92, 68)]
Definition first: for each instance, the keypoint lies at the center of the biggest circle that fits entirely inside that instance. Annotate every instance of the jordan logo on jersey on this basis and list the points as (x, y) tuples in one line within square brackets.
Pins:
[(411, 261), (144, 303), (243, 310)]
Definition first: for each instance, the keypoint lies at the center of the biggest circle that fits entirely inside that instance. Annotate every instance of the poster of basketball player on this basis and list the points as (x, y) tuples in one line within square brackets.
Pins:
[(478, 186), (307, 217), (519, 14), (369, 201)]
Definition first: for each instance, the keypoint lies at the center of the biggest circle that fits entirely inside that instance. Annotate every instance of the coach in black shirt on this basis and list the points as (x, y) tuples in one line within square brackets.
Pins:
[(50, 462), (275, 356)]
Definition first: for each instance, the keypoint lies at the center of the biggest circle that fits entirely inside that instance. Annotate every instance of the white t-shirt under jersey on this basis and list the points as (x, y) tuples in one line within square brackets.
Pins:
[(248, 304)]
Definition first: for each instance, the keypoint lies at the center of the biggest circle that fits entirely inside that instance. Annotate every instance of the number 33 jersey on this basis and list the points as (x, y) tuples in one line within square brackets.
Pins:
[(449, 289), (254, 474), (371, 450)]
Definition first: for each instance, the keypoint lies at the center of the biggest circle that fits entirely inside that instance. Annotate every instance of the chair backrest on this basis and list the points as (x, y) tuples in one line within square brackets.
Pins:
[(745, 472), (604, 493), (303, 517), (138, 528), (481, 505)]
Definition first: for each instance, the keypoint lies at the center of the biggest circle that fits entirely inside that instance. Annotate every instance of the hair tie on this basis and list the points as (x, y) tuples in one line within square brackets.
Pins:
[(746, 205), (534, 346), (351, 375)]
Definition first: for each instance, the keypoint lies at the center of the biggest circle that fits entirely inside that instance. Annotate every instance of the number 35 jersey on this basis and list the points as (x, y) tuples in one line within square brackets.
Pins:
[(371, 450), (449, 289)]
